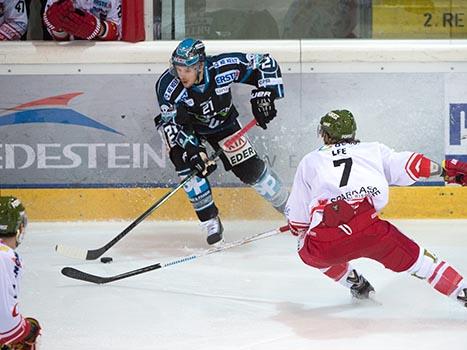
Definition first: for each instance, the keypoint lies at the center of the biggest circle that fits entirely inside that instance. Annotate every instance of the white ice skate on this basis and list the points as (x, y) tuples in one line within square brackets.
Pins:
[(214, 230)]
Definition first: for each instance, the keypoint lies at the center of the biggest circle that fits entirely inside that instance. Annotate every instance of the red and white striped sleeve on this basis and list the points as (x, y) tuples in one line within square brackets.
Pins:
[(403, 168), (17, 333)]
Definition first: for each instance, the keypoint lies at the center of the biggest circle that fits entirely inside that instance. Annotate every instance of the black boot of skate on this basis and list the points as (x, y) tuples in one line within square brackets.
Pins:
[(361, 288), (214, 230), (462, 297)]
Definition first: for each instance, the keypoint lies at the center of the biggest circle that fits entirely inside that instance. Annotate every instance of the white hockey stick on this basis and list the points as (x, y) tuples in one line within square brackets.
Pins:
[(87, 277)]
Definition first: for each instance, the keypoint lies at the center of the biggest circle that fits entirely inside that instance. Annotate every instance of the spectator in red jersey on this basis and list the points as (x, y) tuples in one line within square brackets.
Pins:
[(82, 19)]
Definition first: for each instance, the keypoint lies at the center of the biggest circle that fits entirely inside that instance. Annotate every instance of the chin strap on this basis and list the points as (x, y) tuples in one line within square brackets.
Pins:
[(19, 236)]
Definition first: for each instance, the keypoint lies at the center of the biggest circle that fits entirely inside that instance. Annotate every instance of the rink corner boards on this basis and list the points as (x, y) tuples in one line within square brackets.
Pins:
[(83, 204)]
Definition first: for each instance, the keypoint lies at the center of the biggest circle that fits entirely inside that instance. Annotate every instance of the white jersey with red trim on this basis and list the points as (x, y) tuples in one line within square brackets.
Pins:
[(105, 10), (13, 19), (12, 323), (349, 171)]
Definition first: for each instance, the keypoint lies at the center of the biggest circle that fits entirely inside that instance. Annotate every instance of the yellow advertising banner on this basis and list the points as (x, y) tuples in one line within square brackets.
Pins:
[(419, 19)]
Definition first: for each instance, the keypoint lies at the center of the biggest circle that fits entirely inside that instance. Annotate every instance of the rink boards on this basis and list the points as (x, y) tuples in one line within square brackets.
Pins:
[(77, 137), (234, 203)]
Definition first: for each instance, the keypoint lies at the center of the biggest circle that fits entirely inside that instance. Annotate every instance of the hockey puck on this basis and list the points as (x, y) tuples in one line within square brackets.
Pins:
[(106, 259)]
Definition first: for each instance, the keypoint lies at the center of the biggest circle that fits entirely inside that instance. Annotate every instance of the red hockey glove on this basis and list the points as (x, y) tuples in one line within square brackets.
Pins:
[(262, 106), (55, 14), (197, 159), (455, 172), (29, 343), (82, 24)]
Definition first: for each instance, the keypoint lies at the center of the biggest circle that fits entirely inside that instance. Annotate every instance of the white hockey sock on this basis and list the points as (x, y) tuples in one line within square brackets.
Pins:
[(439, 274), (339, 273)]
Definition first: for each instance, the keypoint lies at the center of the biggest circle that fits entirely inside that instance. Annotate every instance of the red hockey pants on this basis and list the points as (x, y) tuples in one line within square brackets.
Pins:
[(371, 238)]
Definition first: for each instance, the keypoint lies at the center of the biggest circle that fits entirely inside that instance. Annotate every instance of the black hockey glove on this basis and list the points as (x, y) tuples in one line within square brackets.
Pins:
[(198, 160), (182, 117), (262, 106)]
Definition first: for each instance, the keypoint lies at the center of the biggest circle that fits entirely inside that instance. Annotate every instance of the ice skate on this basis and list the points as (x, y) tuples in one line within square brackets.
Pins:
[(361, 288), (214, 230)]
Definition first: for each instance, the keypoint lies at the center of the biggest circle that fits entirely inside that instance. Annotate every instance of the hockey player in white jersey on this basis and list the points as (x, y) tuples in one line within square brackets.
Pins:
[(16, 332), (333, 207), (13, 19), (84, 19)]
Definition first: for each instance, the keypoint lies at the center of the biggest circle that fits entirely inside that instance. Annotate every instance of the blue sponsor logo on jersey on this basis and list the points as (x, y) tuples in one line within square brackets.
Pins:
[(227, 77), (170, 89), (457, 123), (226, 61), (51, 110)]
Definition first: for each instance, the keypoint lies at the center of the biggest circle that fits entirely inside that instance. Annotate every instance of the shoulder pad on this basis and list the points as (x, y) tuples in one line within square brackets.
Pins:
[(225, 60)]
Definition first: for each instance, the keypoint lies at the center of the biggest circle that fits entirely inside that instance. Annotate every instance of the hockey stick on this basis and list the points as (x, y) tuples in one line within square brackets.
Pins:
[(93, 254), (87, 277)]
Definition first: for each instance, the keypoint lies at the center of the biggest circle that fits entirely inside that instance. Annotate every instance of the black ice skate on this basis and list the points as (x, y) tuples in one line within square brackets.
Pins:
[(462, 297), (214, 229), (361, 288)]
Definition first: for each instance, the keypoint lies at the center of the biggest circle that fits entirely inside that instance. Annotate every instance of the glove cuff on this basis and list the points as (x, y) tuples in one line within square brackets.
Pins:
[(263, 92)]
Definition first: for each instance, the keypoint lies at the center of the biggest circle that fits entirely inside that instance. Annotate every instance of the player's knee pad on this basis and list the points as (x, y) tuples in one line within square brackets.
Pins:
[(249, 170), (439, 274), (271, 188), (199, 193)]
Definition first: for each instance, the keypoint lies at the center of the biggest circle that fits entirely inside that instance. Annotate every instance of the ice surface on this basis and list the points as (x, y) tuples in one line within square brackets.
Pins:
[(257, 296)]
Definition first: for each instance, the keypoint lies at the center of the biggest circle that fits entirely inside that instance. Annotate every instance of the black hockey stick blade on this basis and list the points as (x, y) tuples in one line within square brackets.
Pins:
[(93, 254), (87, 277)]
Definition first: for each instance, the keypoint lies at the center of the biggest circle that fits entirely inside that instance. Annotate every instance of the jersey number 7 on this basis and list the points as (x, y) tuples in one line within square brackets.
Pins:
[(346, 173)]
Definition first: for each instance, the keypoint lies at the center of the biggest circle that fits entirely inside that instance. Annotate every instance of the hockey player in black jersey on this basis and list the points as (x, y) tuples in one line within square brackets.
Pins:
[(196, 107)]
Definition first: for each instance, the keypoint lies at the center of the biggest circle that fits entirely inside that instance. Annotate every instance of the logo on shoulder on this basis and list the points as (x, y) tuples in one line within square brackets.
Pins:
[(227, 77), (254, 60), (170, 89), (189, 102), (226, 61)]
